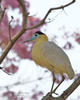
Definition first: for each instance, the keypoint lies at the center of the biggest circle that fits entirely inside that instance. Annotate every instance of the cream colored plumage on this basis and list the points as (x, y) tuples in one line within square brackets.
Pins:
[(48, 54)]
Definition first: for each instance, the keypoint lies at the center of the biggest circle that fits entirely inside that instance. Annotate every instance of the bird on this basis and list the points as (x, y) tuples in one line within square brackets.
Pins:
[(49, 55)]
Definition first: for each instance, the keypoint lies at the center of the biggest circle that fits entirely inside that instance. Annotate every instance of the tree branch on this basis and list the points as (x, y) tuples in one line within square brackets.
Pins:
[(66, 93), (47, 14), (23, 29), (1, 13), (18, 34), (9, 27), (76, 83)]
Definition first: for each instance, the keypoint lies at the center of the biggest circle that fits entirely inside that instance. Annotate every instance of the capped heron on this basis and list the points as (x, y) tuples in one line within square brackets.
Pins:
[(48, 54)]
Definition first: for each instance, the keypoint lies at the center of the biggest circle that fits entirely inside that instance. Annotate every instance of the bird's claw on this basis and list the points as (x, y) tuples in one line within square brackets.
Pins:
[(55, 92), (50, 93)]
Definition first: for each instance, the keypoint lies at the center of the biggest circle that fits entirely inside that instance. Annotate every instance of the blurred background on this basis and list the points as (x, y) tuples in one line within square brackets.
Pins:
[(29, 81)]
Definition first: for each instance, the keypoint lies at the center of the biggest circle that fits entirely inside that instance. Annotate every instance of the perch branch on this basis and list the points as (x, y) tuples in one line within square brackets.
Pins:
[(66, 93)]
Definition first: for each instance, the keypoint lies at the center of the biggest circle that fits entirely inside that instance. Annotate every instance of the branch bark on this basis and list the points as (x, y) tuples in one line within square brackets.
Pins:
[(23, 29), (76, 83), (47, 14), (66, 93), (2, 12), (18, 34)]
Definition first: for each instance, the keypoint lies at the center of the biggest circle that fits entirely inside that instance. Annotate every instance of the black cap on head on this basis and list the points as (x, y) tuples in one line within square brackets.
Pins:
[(39, 32)]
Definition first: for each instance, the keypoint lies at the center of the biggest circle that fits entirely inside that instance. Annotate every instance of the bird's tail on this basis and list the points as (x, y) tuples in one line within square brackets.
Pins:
[(71, 73)]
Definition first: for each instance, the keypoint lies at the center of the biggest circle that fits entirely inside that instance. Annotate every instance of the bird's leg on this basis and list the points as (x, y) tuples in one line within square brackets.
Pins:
[(53, 82), (51, 91), (59, 84)]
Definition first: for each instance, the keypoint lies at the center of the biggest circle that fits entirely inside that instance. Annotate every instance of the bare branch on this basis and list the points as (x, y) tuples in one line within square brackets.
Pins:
[(49, 11), (76, 83), (0, 1), (23, 29), (3, 69), (18, 34), (57, 8), (66, 93), (1, 13), (10, 27)]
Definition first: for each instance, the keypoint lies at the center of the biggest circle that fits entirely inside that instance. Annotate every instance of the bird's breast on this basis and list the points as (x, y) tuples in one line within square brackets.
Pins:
[(38, 57)]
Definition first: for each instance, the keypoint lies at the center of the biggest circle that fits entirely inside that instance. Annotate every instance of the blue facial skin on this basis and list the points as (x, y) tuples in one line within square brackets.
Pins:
[(33, 38)]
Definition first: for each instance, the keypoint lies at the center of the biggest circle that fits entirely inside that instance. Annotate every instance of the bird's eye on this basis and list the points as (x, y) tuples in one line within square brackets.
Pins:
[(36, 35)]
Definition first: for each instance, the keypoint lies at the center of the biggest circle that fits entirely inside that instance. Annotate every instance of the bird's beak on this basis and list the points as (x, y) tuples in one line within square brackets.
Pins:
[(28, 40)]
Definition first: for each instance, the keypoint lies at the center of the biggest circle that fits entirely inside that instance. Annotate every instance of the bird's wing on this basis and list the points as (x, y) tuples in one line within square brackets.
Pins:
[(55, 56)]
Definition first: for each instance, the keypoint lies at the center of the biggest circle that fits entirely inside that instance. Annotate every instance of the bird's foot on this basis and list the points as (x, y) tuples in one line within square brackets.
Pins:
[(48, 96), (52, 92)]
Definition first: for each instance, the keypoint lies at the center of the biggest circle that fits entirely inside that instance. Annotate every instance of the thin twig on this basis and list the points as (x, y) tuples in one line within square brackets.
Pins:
[(10, 28), (49, 11), (57, 8), (2, 12), (25, 15), (18, 34), (3, 69)]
